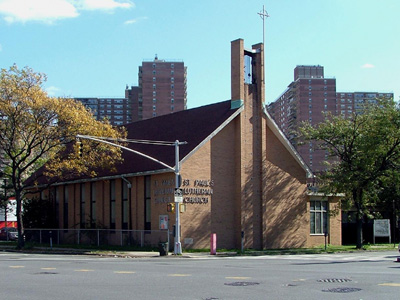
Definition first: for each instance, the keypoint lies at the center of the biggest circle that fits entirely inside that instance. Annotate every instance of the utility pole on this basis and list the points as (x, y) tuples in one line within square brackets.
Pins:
[(263, 14), (178, 245)]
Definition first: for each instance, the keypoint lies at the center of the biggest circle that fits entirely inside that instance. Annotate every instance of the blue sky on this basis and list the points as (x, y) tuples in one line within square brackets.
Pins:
[(92, 48)]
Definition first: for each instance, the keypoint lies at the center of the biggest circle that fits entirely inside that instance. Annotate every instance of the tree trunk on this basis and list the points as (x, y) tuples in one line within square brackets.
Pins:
[(21, 240), (358, 198), (359, 224)]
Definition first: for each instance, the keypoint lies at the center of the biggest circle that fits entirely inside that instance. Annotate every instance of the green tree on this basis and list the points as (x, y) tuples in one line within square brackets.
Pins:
[(367, 148), (36, 128)]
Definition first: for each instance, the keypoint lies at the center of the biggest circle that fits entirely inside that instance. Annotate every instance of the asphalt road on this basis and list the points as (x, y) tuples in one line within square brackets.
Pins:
[(366, 275)]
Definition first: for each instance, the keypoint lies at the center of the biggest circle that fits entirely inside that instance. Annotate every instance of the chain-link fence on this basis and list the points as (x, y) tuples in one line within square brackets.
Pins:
[(97, 237)]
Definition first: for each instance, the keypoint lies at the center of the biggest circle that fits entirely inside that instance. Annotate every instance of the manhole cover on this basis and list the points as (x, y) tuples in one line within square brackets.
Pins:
[(342, 290), (45, 273), (242, 283), (334, 280)]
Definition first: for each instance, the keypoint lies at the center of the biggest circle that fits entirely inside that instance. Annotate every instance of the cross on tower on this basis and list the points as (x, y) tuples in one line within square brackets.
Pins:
[(263, 14)]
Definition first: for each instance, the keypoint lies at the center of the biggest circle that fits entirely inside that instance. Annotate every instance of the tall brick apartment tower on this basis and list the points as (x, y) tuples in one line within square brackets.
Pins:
[(308, 98), (305, 99), (161, 90)]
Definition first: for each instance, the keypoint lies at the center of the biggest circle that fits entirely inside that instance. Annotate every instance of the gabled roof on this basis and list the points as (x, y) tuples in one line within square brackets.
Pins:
[(193, 126)]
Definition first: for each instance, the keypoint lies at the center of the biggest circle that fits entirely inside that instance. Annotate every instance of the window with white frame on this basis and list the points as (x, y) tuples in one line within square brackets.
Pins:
[(318, 217)]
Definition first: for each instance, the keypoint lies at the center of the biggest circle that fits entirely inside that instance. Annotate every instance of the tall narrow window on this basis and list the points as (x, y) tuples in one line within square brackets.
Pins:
[(147, 203), (82, 205), (57, 205), (318, 217), (65, 206), (93, 204), (125, 211), (112, 204)]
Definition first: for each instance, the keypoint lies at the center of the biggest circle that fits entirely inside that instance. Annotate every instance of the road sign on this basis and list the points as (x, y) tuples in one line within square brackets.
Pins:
[(178, 195)]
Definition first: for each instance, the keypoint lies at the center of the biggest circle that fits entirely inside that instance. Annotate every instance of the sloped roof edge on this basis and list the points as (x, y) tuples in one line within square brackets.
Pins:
[(282, 138), (215, 132)]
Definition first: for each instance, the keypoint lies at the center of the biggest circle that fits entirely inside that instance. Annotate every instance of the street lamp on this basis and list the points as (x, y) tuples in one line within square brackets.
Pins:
[(176, 169)]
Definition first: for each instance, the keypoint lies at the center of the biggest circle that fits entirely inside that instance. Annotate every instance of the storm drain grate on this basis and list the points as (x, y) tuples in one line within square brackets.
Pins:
[(342, 290), (242, 283), (334, 280)]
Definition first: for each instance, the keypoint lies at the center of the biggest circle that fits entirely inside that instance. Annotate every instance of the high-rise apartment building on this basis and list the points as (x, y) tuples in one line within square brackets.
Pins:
[(161, 90), (117, 110), (308, 98)]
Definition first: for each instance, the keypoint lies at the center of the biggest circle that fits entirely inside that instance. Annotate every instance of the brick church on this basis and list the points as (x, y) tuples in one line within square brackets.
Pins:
[(241, 178)]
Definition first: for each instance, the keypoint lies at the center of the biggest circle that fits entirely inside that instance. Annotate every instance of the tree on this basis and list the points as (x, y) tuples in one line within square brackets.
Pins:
[(40, 131), (367, 148)]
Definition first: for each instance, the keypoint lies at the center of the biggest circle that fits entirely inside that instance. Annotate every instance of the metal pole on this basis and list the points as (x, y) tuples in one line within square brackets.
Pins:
[(178, 246)]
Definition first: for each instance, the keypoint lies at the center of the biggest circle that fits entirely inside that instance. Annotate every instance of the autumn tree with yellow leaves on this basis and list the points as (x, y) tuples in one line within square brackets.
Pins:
[(40, 131)]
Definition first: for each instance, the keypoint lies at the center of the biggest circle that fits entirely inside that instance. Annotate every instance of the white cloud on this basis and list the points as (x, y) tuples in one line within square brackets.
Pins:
[(48, 11), (52, 90), (105, 4), (367, 66), (133, 21), (36, 10)]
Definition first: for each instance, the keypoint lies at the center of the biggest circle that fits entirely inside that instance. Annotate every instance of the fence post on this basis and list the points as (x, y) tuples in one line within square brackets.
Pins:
[(98, 238), (141, 238), (40, 236), (79, 236)]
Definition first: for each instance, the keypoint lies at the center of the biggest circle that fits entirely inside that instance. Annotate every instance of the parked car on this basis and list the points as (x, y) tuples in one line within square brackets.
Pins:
[(9, 234)]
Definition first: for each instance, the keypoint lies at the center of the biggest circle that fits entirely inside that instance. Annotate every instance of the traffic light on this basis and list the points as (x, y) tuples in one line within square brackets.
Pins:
[(80, 149), (170, 207)]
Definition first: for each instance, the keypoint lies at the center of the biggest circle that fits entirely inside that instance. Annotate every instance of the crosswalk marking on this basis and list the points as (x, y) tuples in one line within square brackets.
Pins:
[(389, 284), (124, 272)]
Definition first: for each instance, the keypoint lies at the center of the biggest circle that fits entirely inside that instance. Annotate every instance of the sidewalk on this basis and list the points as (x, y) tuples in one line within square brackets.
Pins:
[(120, 254)]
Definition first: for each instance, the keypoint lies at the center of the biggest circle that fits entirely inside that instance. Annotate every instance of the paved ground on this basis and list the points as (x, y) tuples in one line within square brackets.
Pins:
[(359, 275)]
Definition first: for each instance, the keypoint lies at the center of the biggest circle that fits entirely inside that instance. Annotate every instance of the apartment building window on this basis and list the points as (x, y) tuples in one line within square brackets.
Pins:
[(172, 66), (154, 72), (154, 107), (154, 100), (172, 100), (172, 72), (172, 93), (172, 79), (318, 217), (154, 114), (154, 93), (154, 79), (172, 107), (154, 66), (172, 86)]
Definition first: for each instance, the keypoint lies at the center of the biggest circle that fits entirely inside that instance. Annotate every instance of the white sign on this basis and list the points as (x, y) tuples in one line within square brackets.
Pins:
[(382, 229), (178, 195), (163, 222)]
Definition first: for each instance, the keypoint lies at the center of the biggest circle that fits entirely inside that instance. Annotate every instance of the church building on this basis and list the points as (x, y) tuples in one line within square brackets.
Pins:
[(241, 179)]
